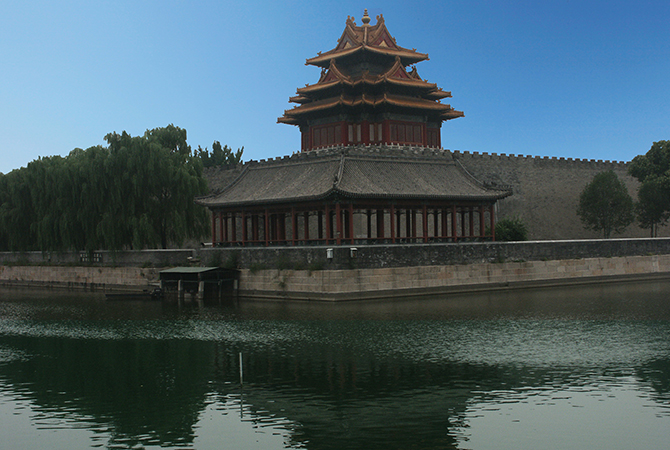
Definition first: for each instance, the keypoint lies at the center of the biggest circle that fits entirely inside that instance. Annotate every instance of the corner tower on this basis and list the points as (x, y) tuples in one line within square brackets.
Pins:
[(367, 95)]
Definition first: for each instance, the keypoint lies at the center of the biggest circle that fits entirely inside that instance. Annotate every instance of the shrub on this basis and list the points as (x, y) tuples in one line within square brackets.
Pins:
[(512, 229)]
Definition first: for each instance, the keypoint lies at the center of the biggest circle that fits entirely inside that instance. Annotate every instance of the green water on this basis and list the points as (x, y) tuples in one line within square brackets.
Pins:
[(575, 368)]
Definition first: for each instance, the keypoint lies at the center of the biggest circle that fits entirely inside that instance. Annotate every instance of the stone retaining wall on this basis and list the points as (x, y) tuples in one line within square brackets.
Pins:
[(94, 278), (359, 284)]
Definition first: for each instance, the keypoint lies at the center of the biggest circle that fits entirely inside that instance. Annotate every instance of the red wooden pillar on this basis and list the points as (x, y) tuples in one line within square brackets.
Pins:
[(424, 222), (214, 214), (408, 223), (294, 226), (445, 232), (328, 223), (256, 227), (463, 222), (244, 228), (392, 217), (351, 222), (281, 227), (454, 225), (223, 222), (306, 217), (482, 226), (338, 224), (319, 225), (414, 231), (380, 224), (435, 224), (266, 224), (493, 224), (233, 227), (224, 228), (472, 222)]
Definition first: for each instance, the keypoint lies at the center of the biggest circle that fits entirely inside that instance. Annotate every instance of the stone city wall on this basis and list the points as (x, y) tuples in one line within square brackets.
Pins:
[(546, 190)]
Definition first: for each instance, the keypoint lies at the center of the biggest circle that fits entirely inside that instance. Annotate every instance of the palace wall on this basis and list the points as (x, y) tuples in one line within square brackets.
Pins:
[(546, 191)]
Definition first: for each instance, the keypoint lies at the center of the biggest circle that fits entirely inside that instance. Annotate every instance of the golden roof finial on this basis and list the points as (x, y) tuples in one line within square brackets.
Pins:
[(366, 18)]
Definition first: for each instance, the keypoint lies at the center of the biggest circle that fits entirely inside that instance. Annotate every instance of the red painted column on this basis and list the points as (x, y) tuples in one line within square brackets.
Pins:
[(328, 224), (222, 219), (408, 223), (454, 224), (267, 228), (233, 227), (493, 224), (338, 223), (214, 228), (391, 220), (414, 231), (424, 222), (351, 222), (244, 228), (380, 224), (281, 227), (472, 222), (436, 233), (482, 225), (306, 216), (224, 228)]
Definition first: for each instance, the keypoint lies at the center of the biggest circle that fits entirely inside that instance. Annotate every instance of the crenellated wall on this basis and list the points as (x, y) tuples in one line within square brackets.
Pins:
[(546, 190)]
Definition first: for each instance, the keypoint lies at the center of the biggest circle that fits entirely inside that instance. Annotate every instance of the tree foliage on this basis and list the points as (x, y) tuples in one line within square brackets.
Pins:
[(137, 192), (511, 229), (653, 172), (220, 156), (605, 205)]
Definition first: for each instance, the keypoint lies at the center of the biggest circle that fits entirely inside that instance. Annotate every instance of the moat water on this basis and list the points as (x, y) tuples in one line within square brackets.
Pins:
[(570, 368)]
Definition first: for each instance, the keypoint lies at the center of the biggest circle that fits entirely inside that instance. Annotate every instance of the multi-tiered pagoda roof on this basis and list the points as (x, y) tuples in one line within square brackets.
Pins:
[(366, 94)]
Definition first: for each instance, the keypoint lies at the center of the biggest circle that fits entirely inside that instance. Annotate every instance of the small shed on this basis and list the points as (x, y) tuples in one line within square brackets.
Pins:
[(200, 282)]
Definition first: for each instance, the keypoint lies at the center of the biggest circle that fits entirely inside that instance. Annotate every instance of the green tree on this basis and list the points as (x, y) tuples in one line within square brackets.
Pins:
[(163, 178), (653, 172), (220, 156), (605, 205), (653, 205), (137, 192), (512, 229)]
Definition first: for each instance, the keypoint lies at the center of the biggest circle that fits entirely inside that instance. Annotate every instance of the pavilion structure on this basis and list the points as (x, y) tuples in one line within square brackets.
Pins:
[(371, 168), (367, 95)]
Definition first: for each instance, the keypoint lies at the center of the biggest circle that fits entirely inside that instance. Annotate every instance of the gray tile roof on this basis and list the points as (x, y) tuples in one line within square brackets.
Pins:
[(357, 172)]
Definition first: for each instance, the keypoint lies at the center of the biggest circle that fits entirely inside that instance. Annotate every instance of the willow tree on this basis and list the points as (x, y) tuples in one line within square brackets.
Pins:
[(157, 181), (137, 192)]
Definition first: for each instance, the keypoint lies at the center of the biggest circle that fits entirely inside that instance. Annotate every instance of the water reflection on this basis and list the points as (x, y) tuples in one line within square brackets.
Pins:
[(474, 371)]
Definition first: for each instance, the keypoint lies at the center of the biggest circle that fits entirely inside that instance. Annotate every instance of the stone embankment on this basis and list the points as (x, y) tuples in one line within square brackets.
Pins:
[(358, 284), (347, 272)]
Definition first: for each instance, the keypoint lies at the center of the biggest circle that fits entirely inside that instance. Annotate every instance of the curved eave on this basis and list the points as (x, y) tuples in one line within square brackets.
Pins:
[(268, 202), (429, 89), (401, 102), (407, 56), (461, 198), (355, 195)]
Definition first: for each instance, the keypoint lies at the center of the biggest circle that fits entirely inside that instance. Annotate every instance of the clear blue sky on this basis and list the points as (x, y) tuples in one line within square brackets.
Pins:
[(571, 78)]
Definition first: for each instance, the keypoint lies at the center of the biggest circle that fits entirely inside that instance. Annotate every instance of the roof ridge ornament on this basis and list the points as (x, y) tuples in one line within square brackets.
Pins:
[(366, 18)]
